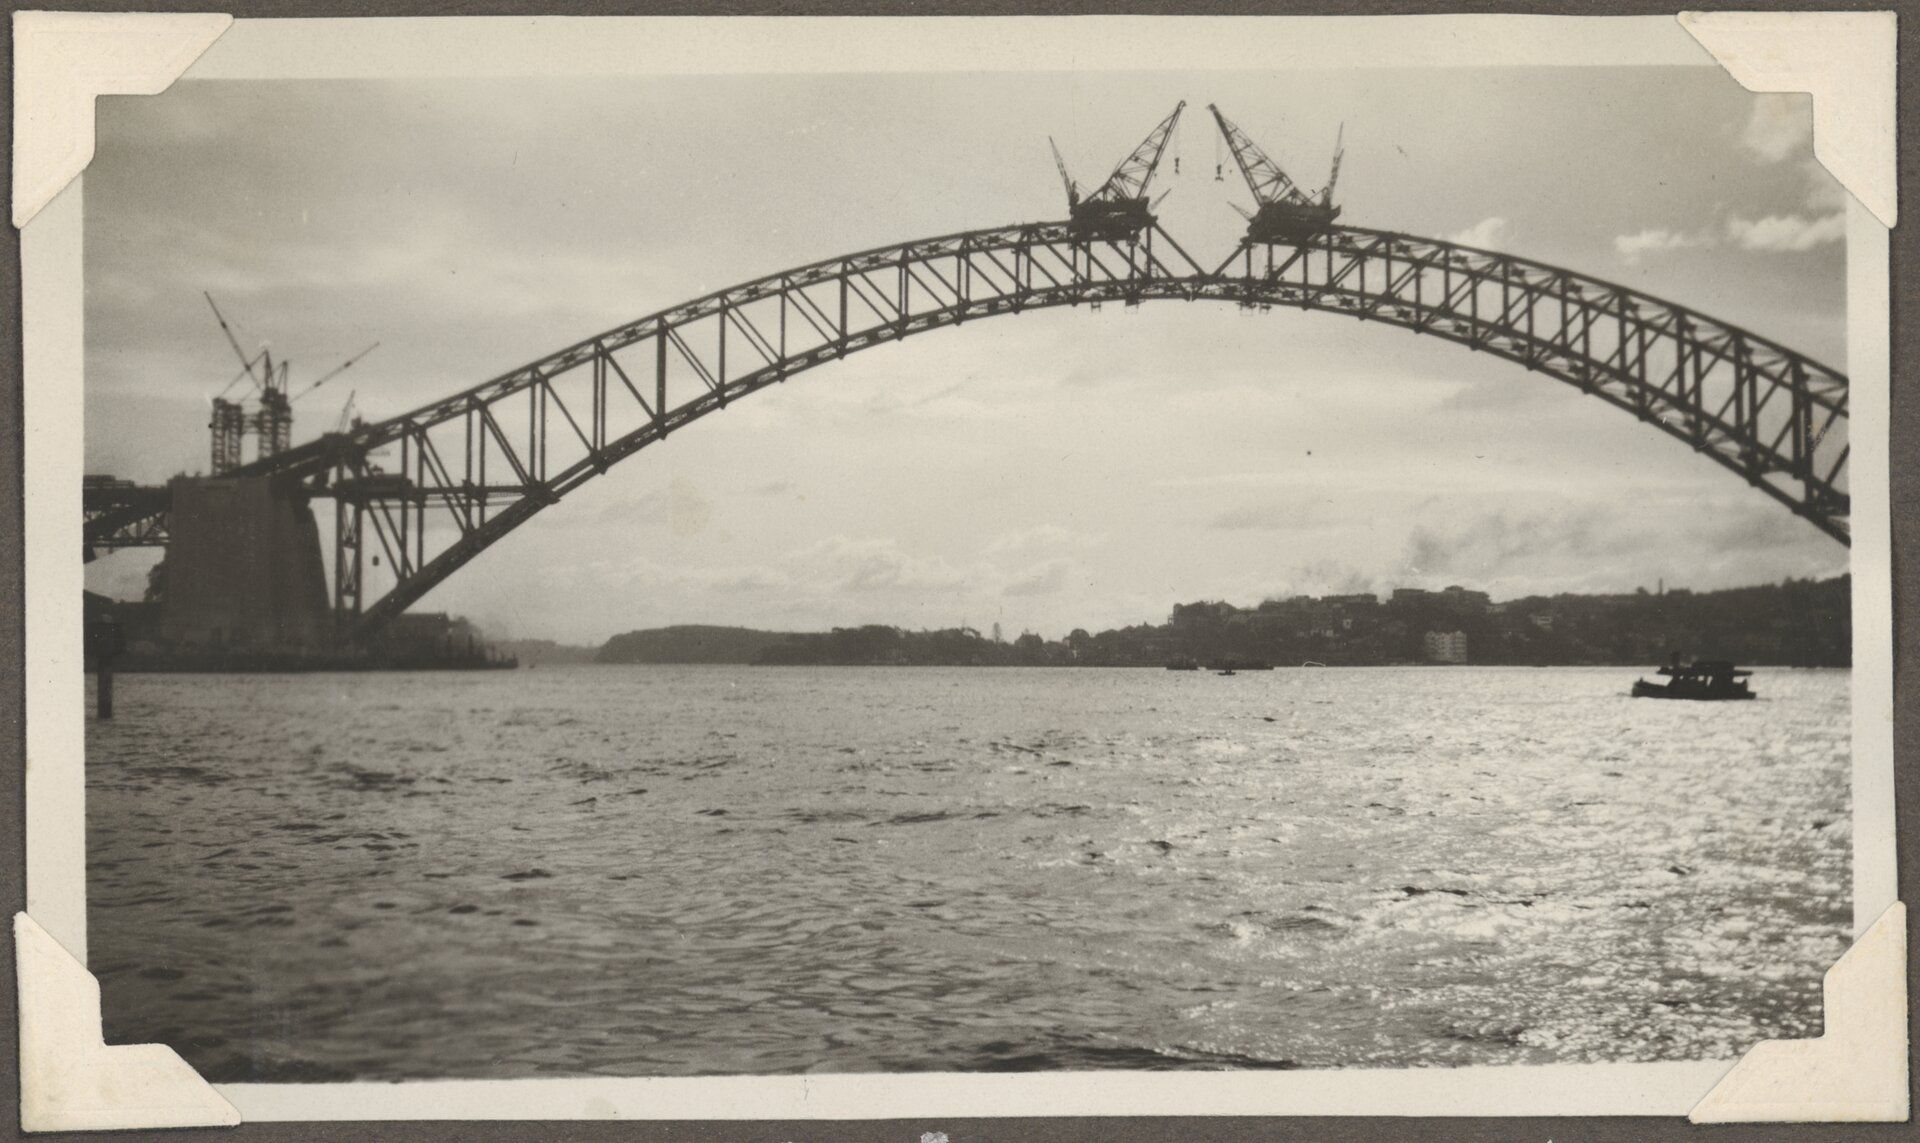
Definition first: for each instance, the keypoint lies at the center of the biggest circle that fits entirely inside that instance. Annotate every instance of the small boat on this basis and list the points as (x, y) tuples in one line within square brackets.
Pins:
[(1707, 680), (1227, 671), (1312, 663), (1230, 666)]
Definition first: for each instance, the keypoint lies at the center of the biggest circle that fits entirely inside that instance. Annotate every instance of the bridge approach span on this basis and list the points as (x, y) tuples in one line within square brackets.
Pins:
[(423, 493)]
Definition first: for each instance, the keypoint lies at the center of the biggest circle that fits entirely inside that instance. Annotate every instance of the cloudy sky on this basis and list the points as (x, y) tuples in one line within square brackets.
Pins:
[(1054, 470)]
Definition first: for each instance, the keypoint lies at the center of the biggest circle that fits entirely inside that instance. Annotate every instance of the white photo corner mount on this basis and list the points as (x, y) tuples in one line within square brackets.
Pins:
[(1858, 1070), (1845, 61), (70, 1079), (63, 60)]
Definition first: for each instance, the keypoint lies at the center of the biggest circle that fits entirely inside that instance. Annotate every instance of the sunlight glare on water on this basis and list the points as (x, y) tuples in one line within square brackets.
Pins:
[(708, 870)]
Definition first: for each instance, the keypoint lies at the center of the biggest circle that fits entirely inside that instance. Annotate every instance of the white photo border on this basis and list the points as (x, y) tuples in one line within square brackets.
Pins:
[(52, 295)]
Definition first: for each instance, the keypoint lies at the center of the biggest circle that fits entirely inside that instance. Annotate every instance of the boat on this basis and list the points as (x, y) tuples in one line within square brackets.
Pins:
[(1708, 680), (1312, 663), (1230, 666), (1225, 671)]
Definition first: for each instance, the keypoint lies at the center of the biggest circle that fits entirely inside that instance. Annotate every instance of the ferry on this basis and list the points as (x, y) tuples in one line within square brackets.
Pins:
[(1709, 680)]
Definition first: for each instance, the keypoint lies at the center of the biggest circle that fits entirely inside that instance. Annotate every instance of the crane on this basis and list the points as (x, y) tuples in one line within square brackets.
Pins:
[(349, 413), (1283, 210), (337, 371), (271, 421), (247, 364), (1119, 208)]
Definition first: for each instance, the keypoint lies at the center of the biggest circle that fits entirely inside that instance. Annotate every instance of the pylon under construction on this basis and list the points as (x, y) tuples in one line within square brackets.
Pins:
[(271, 421)]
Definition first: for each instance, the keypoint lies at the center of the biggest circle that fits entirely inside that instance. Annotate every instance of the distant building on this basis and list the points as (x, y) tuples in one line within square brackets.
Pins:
[(431, 632), (1358, 599), (1411, 595), (1461, 599), (1446, 646)]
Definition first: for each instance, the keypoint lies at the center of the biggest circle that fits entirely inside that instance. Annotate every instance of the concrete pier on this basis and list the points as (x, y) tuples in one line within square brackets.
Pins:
[(244, 567)]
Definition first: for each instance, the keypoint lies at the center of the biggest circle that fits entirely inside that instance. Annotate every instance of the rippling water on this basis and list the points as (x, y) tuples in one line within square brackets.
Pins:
[(701, 870)]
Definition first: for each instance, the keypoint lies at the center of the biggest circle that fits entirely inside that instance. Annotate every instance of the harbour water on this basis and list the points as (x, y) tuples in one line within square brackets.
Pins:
[(714, 870)]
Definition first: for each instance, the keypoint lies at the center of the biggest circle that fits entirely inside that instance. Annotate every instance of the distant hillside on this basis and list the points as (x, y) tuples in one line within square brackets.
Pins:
[(1801, 623), (692, 643)]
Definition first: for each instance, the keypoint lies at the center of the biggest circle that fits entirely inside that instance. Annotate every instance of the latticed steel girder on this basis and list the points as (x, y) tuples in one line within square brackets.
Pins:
[(120, 514), (429, 490), (128, 529), (480, 463), (1776, 417)]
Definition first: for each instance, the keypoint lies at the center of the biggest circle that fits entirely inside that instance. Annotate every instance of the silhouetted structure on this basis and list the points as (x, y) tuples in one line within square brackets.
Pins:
[(244, 568), (1797, 623)]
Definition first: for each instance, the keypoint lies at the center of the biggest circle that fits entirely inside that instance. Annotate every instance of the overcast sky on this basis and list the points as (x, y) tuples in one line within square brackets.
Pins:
[(1059, 469)]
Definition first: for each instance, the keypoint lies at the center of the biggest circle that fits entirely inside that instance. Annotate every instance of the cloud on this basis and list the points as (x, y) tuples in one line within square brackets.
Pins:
[(1272, 516), (1504, 395), (1751, 528), (1488, 232), (613, 578), (680, 506), (839, 565), (746, 581), (1039, 538), (1491, 544), (1043, 578), (1775, 233), (1780, 125), (1717, 540), (1657, 240), (844, 564), (1226, 479), (962, 400), (1789, 233)]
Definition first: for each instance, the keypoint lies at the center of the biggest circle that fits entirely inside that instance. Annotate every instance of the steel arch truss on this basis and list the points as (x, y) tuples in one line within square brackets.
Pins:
[(425, 492), (1776, 417), (486, 460)]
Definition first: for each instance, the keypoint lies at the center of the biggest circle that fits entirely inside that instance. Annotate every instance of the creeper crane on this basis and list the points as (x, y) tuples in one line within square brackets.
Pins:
[(1119, 208), (1283, 212)]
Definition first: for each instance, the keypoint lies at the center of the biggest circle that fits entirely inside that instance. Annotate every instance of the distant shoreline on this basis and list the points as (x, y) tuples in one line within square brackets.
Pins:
[(152, 669), (1794, 623)]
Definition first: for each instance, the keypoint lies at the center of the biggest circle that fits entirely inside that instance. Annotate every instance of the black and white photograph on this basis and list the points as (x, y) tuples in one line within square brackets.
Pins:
[(864, 572)]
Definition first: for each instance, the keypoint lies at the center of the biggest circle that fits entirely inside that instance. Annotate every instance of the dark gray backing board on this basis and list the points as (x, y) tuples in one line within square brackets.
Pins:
[(1905, 507)]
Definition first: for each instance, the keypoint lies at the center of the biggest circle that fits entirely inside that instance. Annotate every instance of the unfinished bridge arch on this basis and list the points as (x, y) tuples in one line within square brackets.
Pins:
[(428, 490)]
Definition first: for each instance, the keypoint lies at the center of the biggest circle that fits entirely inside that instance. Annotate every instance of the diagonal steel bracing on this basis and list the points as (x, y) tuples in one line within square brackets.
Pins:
[(1776, 417), (425, 492)]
